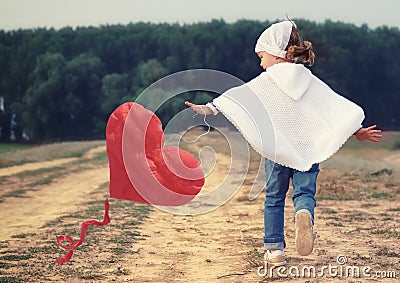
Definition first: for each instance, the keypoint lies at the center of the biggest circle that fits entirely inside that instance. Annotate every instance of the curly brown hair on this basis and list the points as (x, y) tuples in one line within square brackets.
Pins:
[(299, 50)]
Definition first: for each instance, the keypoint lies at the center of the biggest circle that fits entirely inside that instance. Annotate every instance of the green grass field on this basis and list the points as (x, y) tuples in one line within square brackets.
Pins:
[(12, 147)]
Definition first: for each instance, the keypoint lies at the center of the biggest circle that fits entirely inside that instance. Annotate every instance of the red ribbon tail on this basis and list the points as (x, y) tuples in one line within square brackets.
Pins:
[(65, 258), (84, 226)]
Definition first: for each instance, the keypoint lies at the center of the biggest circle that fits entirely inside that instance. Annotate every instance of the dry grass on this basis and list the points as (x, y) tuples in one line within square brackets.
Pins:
[(20, 155)]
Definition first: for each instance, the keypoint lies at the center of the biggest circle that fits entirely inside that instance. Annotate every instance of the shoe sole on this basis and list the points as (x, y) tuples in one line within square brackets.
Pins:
[(281, 262), (304, 235)]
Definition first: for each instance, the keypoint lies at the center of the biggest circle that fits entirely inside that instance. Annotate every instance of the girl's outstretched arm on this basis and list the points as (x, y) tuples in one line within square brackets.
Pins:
[(200, 109), (369, 134)]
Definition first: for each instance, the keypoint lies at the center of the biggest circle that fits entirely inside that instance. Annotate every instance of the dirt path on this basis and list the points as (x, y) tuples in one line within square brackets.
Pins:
[(225, 245), (26, 215), (64, 196), (356, 216), (394, 159), (198, 248)]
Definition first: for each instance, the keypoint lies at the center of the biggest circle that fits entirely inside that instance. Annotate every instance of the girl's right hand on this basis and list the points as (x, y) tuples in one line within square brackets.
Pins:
[(199, 109), (369, 134)]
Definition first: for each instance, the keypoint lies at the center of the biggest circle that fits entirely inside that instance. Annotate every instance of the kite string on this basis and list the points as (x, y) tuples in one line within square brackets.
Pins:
[(84, 226), (192, 141)]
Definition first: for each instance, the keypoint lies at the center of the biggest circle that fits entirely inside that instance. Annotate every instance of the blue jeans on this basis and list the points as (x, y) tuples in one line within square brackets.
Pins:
[(304, 188)]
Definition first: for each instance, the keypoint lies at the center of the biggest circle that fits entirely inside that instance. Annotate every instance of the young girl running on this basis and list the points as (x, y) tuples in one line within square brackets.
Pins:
[(309, 123)]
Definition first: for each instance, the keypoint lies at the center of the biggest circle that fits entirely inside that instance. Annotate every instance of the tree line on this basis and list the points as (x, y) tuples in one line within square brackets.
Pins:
[(63, 84)]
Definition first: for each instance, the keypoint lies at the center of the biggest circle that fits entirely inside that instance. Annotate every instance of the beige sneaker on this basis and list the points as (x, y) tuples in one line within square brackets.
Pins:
[(277, 258), (304, 233)]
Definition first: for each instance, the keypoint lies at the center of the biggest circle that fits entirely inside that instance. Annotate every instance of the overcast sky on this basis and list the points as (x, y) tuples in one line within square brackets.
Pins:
[(15, 14)]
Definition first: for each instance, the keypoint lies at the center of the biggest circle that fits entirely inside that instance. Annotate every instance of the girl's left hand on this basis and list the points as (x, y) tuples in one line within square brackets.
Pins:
[(368, 134)]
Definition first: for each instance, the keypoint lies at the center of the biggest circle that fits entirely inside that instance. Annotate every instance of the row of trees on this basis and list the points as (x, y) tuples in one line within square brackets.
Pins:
[(63, 84)]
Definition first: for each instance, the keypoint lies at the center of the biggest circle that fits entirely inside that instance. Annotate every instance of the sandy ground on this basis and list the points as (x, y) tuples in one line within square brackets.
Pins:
[(40, 206), (224, 245)]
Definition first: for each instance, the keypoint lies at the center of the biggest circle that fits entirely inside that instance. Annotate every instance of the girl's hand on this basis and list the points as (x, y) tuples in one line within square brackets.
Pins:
[(200, 109), (368, 134)]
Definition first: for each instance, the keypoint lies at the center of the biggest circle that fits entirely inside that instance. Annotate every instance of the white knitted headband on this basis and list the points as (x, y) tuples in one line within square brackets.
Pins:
[(275, 39)]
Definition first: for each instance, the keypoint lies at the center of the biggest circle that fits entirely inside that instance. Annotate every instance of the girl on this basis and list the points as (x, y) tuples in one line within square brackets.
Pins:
[(309, 123)]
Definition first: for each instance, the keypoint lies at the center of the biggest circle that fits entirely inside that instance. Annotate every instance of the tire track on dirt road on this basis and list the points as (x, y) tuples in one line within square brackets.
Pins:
[(48, 202)]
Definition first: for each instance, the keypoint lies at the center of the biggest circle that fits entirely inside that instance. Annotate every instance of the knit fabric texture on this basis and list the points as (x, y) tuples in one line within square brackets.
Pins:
[(290, 116)]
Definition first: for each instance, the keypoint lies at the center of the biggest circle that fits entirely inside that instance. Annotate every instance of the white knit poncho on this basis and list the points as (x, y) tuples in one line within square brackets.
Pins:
[(290, 116)]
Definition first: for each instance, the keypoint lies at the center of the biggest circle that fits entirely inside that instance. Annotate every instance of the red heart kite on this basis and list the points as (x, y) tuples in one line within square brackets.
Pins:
[(141, 168)]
